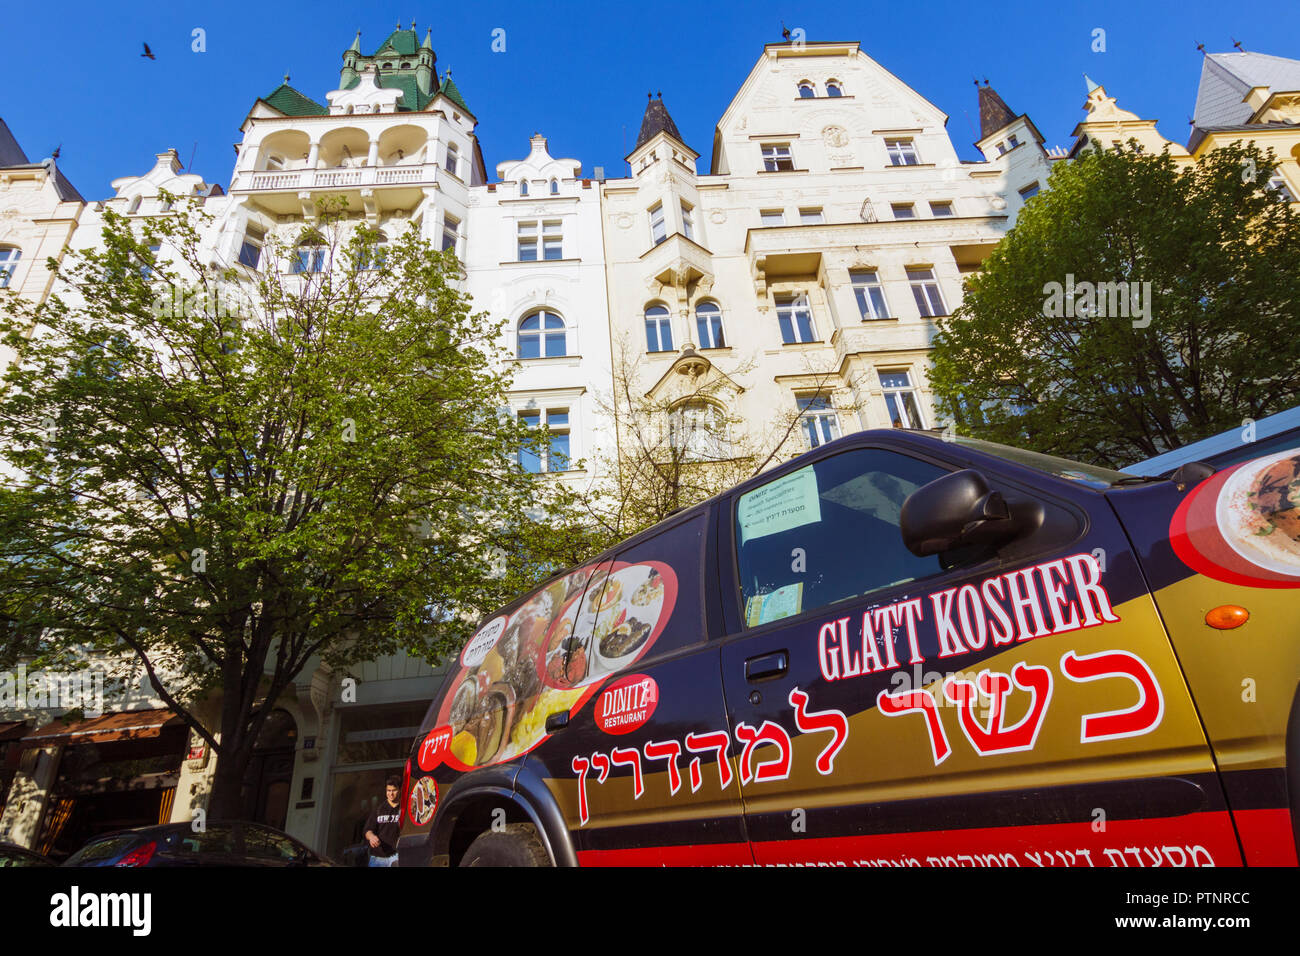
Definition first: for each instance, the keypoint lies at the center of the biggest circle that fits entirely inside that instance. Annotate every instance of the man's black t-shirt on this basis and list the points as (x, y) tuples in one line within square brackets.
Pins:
[(385, 823)]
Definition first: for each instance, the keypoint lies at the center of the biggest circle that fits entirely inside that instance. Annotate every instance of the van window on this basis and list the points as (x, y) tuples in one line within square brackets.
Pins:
[(828, 532)]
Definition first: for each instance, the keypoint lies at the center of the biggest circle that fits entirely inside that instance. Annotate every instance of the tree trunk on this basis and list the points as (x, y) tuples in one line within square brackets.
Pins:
[(226, 802)]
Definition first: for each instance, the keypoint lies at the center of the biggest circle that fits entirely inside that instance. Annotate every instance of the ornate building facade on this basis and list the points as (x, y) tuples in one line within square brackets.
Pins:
[(782, 296)]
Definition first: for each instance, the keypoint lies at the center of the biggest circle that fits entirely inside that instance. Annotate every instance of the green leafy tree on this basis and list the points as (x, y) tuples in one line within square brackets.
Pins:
[(1043, 353), (225, 475)]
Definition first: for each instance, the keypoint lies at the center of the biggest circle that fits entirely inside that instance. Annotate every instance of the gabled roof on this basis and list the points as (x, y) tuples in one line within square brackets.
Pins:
[(655, 121), (1226, 78), (412, 99), (994, 112), (292, 103)]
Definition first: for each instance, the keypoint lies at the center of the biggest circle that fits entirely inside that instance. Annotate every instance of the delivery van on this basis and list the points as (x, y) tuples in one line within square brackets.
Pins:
[(895, 650)]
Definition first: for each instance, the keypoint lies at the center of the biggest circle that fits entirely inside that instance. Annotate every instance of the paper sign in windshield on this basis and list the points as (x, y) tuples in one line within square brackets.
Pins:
[(783, 602), (786, 503)]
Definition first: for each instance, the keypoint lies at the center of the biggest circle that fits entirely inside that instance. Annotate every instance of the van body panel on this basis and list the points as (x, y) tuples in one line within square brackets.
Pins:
[(770, 678)]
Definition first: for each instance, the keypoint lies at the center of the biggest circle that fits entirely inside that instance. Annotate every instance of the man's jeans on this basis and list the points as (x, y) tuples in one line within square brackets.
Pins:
[(383, 860)]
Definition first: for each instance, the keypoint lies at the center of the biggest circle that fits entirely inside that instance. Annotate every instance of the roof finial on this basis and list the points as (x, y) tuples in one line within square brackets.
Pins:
[(412, 24), (1237, 44), (660, 94), (649, 95), (785, 32), (286, 79), (986, 81), (1201, 47), (975, 80)]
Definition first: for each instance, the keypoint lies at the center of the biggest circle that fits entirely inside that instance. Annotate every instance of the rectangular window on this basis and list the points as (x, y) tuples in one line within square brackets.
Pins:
[(845, 507), (901, 152), (450, 232), (658, 224), (1002, 148), (777, 158), (688, 223), (308, 259), (146, 270), (1277, 185), (810, 217), (772, 217), (453, 159), (528, 241), (900, 399), (1028, 191), (9, 257), (552, 240), (941, 209), (925, 289), (1012, 141), (870, 295), (903, 210), (552, 454), (250, 250), (818, 419), (795, 318)]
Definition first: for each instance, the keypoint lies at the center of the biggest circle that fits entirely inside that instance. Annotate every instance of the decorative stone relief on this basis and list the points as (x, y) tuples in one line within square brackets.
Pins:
[(835, 136), (624, 221), (717, 217)]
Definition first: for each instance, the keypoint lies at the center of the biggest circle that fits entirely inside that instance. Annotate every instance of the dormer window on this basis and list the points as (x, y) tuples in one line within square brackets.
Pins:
[(833, 88), (806, 90)]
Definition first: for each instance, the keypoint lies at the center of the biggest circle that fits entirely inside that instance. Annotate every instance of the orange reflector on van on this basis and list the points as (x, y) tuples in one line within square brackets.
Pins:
[(1227, 616)]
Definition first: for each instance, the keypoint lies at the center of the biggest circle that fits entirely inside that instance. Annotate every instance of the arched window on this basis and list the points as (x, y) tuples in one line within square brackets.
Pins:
[(372, 257), (9, 256), (542, 335), (658, 329), (697, 431), (806, 90), (555, 187), (523, 187), (708, 325), (833, 88)]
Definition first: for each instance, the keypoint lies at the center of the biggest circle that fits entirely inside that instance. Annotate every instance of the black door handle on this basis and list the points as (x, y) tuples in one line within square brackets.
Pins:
[(767, 666), (557, 721)]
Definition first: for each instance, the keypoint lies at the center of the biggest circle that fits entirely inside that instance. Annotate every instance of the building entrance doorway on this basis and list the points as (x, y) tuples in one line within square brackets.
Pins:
[(270, 771)]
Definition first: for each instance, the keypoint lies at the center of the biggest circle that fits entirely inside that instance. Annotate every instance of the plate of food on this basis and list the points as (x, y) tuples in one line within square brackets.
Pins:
[(1258, 512)]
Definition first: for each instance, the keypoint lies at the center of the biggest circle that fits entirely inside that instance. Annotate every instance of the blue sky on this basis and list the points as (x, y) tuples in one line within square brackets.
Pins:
[(579, 72)]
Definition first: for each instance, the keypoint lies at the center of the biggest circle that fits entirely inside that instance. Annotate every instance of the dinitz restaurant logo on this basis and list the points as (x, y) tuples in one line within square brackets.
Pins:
[(1099, 300), (50, 690), (222, 300)]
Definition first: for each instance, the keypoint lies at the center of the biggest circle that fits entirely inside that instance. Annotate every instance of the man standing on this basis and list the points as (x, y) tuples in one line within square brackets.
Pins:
[(383, 826)]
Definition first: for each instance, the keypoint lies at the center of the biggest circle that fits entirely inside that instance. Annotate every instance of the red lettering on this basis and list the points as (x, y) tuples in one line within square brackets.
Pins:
[(807, 722), (918, 701), (718, 741), (827, 655), (1142, 718), (668, 750), (1020, 585), (999, 738), (630, 756), (777, 768), (949, 638), (968, 606), (1004, 635), (1087, 584), (580, 766), (913, 612), (1056, 600)]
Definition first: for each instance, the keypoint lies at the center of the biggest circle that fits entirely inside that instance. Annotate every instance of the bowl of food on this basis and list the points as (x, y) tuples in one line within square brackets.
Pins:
[(1258, 512)]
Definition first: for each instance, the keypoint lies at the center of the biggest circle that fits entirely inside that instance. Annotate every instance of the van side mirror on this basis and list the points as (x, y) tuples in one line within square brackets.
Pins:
[(956, 511)]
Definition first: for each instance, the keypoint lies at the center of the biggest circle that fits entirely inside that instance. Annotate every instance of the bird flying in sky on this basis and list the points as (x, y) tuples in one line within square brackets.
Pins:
[(148, 52)]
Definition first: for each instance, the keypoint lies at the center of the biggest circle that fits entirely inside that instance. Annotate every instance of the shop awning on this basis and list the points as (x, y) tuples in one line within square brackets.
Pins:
[(129, 725)]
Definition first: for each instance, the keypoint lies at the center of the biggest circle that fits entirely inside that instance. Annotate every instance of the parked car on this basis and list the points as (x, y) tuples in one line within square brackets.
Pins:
[(893, 650), (179, 844), (11, 855), (1274, 433)]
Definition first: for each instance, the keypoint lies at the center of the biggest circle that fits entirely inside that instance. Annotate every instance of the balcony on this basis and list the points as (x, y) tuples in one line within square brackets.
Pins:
[(337, 177), (376, 187)]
